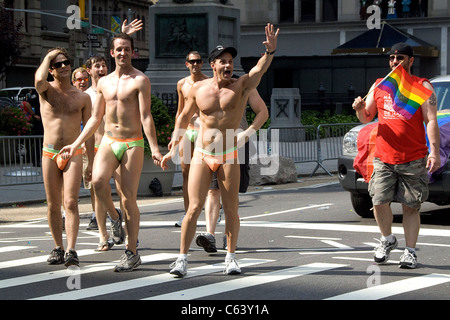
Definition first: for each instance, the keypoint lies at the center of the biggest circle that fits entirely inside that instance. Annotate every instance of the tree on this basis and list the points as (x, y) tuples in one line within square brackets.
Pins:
[(10, 37)]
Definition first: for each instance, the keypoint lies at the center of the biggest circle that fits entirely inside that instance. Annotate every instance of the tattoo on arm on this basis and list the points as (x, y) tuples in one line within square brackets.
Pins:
[(432, 100)]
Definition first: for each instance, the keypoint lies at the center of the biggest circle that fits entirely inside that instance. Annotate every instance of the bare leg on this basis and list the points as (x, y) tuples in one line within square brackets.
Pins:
[(212, 210), (411, 225), (383, 216), (199, 180)]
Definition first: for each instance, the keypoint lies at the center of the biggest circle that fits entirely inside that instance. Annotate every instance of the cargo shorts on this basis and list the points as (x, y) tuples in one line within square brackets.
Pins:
[(406, 183)]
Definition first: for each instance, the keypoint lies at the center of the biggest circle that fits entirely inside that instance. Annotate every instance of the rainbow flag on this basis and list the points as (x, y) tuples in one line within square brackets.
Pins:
[(406, 93)]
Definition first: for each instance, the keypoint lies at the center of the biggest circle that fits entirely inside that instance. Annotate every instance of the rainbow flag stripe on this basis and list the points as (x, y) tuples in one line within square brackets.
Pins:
[(406, 93)]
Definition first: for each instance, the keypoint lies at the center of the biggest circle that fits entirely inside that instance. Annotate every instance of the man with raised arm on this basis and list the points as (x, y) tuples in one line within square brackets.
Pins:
[(220, 102)]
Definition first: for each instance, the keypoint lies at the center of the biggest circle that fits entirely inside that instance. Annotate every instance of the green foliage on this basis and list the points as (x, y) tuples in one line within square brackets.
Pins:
[(13, 122), (314, 117), (164, 123)]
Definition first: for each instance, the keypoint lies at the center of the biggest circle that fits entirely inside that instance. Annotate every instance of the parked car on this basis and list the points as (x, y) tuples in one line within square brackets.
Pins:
[(18, 93), (352, 181)]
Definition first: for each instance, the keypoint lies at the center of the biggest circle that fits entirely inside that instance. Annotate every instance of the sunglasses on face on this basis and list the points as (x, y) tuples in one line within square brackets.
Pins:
[(198, 61), (399, 58), (82, 79), (58, 65)]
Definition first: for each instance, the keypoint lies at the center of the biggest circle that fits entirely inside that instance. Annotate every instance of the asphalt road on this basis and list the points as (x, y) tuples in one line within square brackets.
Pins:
[(298, 242)]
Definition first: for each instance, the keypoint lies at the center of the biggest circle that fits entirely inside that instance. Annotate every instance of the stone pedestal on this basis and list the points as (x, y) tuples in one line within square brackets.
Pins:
[(177, 28)]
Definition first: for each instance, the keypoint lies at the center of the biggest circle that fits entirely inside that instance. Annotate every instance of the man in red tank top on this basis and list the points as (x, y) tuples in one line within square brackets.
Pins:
[(401, 159)]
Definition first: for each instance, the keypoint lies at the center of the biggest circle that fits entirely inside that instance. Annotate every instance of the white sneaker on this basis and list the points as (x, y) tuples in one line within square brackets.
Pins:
[(232, 267), (179, 267), (408, 260)]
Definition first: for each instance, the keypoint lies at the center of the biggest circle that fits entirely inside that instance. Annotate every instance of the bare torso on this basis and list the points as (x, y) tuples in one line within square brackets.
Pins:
[(220, 109), (122, 116), (62, 114)]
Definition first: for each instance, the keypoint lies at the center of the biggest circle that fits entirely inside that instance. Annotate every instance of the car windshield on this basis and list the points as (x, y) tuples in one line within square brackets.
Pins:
[(9, 93), (442, 90)]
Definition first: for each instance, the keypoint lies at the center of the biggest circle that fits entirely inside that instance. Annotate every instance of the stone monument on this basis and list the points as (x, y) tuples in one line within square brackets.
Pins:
[(179, 26)]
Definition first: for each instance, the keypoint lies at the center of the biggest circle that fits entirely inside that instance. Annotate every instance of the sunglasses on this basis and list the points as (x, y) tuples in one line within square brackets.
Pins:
[(58, 65), (399, 58), (198, 61), (82, 79)]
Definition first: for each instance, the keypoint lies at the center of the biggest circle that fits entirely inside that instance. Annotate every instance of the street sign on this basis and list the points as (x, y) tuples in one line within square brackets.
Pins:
[(94, 44), (92, 37)]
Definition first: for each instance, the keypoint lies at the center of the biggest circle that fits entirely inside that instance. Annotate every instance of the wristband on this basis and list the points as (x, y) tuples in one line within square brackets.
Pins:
[(270, 53)]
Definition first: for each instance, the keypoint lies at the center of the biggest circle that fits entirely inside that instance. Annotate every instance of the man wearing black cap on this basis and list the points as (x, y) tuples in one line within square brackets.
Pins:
[(401, 159), (220, 102)]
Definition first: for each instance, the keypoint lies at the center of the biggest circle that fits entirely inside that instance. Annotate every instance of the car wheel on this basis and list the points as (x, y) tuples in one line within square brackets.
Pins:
[(362, 204)]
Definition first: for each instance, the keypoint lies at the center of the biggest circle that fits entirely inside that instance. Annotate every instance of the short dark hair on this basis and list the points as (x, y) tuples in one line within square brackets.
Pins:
[(192, 52), (94, 59), (122, 36), (60, 50)]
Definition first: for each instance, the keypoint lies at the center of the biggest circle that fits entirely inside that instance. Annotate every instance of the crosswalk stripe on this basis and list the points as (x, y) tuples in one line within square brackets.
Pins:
[(143, 282), (245, 282), (393, 288), (52, 275), (15, 248), (39, 259)]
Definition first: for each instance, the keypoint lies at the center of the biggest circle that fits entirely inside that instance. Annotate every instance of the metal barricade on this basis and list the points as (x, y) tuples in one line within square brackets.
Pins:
[(20, 160), (329, 142)]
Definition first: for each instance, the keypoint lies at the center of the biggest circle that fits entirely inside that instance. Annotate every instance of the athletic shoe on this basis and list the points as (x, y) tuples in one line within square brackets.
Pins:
[(232, 267), (383, 250), (408, 260), (117, 231), (71, 258), (128, 262), (220, 214), (92, 224), (180, 222), (207, 241), (56, 256), (179, 267)]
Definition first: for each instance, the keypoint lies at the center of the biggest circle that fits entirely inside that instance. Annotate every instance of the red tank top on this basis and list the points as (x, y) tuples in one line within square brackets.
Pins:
[(398, 140)]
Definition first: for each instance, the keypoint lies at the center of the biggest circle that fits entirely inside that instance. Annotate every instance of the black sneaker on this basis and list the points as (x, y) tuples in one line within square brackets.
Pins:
[(56, 256), (71, 258), (207, 241), (92, 224)]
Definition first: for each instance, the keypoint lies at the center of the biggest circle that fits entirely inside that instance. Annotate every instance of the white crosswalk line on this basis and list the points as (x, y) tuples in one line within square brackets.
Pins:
[(39, 259), (394, 288), (52, 275), (246, 282), (15, 248), (143, 282)]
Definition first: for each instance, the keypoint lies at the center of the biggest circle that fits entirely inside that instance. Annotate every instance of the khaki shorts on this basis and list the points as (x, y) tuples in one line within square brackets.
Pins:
[(86, 184), (406, 183)]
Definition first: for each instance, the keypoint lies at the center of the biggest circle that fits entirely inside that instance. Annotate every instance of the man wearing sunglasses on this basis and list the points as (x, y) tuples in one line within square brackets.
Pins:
[(80, 79), (401, 159), (63, 109), (194, 63)]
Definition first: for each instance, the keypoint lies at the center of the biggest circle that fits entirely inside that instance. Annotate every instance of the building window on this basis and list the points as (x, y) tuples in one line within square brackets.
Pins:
[(287, 11), (329, 10), (307, 10)]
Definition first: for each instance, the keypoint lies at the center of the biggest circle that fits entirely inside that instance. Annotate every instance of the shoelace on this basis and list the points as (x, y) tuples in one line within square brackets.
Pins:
[(228, 263)]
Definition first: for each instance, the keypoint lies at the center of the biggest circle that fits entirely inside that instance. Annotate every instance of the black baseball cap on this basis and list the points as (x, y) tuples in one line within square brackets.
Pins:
[(402, 48), (219, 50)]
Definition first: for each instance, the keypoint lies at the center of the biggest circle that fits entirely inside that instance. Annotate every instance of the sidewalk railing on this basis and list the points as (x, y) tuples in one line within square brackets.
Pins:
[(20, 157), (20, 160), (311, 143)]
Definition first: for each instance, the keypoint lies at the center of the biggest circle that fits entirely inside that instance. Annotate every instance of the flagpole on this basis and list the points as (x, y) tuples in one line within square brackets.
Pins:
[(382, 80)]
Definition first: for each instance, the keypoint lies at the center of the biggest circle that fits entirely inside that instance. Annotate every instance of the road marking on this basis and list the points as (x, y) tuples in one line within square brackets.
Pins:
[(39, 259), (313, 206), (314, 238), (394, 288), (246, 282), (143, 282), (52, 275), (15, 248)]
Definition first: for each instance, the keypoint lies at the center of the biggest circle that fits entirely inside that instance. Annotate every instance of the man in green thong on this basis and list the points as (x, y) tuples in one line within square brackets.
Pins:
[(123, 100), (119, 146), (194, 63)]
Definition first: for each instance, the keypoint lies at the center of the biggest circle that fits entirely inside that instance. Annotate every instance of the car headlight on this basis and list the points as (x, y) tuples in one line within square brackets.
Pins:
[(349, 146)]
